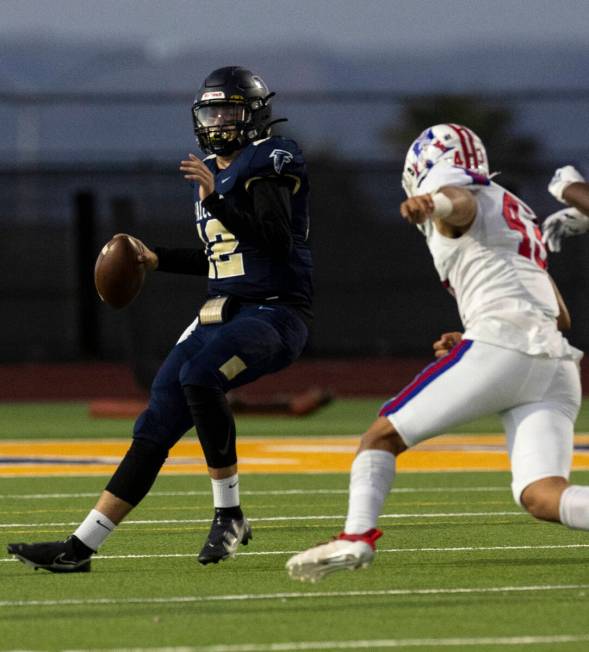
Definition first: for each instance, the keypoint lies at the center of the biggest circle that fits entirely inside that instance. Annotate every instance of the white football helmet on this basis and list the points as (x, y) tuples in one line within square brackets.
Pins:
[(457, 145)]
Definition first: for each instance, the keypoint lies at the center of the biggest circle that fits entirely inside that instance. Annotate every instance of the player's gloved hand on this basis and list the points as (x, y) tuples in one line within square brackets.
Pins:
[(562, 224), (446, 343), (562, 178)]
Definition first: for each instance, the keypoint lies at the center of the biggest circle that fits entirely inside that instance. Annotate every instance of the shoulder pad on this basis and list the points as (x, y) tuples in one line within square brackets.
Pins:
[(275, 156), (444, 174)]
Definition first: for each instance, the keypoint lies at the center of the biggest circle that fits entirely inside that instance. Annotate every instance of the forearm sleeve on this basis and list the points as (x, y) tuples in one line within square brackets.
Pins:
[(182, 261)]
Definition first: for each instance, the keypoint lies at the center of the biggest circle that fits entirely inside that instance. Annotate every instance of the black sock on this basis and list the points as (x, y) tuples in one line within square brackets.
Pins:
[(80, 549), (229, 512)]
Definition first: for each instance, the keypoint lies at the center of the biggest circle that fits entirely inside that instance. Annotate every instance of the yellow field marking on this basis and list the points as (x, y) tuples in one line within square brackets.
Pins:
[(262, 455)]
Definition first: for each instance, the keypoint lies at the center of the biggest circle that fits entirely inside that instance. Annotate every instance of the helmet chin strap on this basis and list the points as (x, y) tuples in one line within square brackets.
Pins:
[(273, 122), (265, 129), (267, 126), (229, 147)]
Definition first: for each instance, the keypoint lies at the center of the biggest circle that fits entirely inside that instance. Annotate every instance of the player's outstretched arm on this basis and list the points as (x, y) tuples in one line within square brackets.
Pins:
[(569, 186), (176, 260), (450, 207), (577, 195)]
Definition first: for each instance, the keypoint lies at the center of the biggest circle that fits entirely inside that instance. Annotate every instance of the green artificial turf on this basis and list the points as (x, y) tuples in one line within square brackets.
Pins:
[(461, 562), (342, 417), (460, 565)]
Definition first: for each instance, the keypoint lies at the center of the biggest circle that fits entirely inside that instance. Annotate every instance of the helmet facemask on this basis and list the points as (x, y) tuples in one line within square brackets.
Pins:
[(221, 127)]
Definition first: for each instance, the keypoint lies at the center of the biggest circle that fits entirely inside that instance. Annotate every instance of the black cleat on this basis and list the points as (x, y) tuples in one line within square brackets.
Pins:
[(69, 556), (225, 535)]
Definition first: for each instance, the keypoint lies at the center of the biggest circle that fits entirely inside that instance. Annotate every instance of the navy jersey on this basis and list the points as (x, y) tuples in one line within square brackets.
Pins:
[(238, 267)]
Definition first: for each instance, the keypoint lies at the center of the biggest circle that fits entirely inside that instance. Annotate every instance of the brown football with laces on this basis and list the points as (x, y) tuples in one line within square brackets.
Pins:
[(118, 275)]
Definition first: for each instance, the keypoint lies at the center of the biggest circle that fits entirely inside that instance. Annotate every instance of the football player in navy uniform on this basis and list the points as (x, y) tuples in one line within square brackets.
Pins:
[(251, 205)]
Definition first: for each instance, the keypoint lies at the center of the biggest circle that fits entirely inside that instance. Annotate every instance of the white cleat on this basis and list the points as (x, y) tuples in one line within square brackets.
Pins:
[(348, 551)]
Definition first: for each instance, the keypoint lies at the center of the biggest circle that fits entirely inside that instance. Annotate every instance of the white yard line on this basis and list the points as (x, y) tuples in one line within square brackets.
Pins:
[(245, 597), (278, 492), (366, 644), (267, 553), (321, 517)]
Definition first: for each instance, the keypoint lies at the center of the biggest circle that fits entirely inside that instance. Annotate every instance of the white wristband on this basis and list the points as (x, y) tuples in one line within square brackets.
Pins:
[(443, 206)]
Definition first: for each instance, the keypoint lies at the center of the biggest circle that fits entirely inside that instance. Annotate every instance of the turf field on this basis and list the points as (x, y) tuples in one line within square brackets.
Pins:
[(459, 567)]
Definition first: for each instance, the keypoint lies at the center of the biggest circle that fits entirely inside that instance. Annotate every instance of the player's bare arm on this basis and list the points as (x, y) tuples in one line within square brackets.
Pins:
[(569, 186), (563, 321), (577, 195), (452, 209)]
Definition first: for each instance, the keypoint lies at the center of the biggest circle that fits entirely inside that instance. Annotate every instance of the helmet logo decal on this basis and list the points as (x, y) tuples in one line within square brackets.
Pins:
[(440, 145), (281, 158), (213, 95)]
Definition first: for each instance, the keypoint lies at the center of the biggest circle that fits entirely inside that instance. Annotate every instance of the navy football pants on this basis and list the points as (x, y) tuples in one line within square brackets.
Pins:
[(260, 339)]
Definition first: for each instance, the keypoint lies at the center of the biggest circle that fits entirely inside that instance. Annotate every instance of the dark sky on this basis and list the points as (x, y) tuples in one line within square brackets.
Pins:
[(360, 25)]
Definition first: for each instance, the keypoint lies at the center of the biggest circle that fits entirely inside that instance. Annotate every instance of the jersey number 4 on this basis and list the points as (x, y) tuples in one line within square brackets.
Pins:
[(531, 245)]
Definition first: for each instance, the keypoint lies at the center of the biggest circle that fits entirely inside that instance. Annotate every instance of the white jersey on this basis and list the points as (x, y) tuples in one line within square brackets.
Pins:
[(497, 269)]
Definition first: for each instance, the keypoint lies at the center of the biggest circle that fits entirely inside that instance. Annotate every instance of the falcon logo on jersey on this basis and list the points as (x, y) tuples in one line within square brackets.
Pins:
[(281, 158)]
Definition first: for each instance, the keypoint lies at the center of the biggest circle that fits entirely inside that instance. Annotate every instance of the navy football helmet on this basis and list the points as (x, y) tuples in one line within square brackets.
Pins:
[(231, 109)]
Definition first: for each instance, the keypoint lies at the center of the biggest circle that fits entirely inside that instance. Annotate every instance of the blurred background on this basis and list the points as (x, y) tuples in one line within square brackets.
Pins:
[(95, 115)]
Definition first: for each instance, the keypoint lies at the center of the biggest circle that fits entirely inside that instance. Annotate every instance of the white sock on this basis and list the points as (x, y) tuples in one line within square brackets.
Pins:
[(574, 507), (226, 491), (371, 478), (94, 529)]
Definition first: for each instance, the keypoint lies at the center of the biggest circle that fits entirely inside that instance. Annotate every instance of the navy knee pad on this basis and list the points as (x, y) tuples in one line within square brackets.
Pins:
[(137, 471), (214, 423)]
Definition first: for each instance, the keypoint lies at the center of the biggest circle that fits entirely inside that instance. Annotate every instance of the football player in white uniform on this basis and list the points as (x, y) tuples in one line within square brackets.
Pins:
[(568, 186), (511, 360)]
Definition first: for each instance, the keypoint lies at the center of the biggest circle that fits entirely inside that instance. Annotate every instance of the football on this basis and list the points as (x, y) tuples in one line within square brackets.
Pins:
[(118, 275)]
